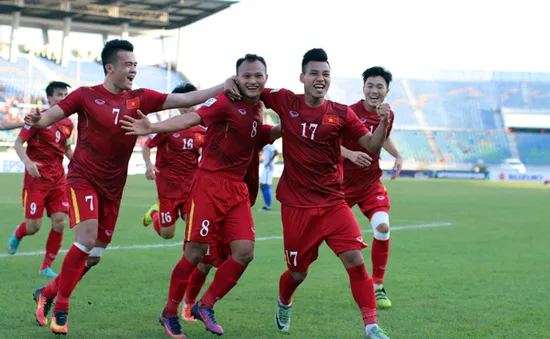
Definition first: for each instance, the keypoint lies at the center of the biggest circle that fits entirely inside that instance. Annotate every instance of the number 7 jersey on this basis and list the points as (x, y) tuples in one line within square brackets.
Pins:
[(103, 149), (312, 175)]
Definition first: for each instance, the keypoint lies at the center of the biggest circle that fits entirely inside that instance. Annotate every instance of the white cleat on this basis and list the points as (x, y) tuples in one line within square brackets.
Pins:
[(282, 316)]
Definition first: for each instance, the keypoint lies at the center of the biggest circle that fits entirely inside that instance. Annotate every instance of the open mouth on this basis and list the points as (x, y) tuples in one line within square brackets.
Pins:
[(131, 78), (319, 87), (253, 88)]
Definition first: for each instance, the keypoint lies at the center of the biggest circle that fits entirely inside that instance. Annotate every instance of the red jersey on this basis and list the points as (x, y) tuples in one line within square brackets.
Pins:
[(312, 175), (177, 159), (231, 137), (46, 146), (252, 177), (103, 149), (358, 179)]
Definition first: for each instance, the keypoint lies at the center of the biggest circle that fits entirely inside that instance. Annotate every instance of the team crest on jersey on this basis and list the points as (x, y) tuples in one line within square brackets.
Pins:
[(132, 103), (100, 101), (363, 121), (380, 197), (330, 119), (176, 135), (242, 111), (294, 114)]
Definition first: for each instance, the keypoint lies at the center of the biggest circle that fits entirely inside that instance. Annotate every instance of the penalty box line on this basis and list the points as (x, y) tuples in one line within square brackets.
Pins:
[(129, 247)]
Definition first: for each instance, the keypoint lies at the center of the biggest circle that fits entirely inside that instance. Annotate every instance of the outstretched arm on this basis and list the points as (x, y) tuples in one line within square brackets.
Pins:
[(143, 125), (10, 125), (190, 99), (50, 117)]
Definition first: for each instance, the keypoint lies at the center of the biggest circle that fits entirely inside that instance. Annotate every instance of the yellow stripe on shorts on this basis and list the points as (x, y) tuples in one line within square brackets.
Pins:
[(75, 207), (191, 212)]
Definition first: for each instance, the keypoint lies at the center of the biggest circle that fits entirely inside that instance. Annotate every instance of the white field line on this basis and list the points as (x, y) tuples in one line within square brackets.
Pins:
[(128, 247)]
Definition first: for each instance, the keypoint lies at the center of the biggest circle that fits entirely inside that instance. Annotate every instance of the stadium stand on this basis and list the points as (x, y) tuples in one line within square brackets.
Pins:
[(534, 148)]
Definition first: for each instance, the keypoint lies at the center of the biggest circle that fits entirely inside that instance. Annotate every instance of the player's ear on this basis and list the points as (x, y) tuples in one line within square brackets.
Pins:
[(109, 68), (302, 78)]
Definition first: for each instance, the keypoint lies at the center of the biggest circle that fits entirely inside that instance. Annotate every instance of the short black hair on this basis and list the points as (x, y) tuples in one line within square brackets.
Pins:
[(378, 71), (184, 88), (315, 54), (55, 84), (110, 50), (250, 58)]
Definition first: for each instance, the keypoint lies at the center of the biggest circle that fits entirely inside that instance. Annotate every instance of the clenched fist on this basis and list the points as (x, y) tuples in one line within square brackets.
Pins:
[(383, 111)]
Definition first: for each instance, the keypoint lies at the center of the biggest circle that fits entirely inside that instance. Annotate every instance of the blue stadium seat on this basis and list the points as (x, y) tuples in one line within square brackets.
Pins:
[(471, 147), (534, 148)]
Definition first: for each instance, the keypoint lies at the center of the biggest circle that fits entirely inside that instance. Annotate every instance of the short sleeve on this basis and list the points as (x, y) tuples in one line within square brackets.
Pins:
[(27, 132), (265, 136), (390, 125), (155, 139), (152, 101), (277, 99), (214, 110), (353, 128), (72, 103)]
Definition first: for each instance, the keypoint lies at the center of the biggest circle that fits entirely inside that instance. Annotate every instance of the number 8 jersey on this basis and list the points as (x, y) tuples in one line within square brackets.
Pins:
[(231, 137), (103, 149)]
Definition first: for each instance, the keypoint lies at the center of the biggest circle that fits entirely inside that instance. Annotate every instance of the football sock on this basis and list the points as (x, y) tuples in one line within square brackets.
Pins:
[(196, 282), (156, 221), (71, 271), (21, 230), (50, 291), (53, 244), (178, 284), (225, 279), (287, 287), (379, 254), (362, 289)]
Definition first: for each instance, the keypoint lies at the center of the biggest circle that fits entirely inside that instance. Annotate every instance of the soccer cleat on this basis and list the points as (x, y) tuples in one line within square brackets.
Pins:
[(13, 243), (147, 218), (186, 313), (48, 272), (265, 208), (171, 326), (282, 316), (60, 322), (206, 315), (376, 332), (382, 300), (43, 306)]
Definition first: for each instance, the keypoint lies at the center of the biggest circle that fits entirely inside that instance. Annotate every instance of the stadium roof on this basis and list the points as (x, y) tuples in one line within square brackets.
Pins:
[(107, 16)]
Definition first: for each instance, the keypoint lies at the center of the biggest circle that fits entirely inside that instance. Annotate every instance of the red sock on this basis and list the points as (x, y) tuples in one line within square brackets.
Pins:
[(196, 282), (53, 244), (225, 279), (50, 291), (21, 230), (362, 289), (379, 254), (71, 271), (156, 221), (287, 286), (178, 284)]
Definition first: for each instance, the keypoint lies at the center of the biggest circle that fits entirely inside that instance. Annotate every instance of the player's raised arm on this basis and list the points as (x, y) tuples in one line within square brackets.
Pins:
[(143, 125), (190, 99), (373, 142), (50, 117)]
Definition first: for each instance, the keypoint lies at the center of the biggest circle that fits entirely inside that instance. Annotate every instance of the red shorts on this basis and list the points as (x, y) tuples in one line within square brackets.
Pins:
[(218, 207), (305, 229), (54, 200), (376, 199), (170, 209), (87, 204), (217, 252)]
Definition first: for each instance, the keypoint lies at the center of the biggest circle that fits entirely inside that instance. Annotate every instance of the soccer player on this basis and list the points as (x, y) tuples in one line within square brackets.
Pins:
[(266, 178), (313, 206), (177, 160), (44, 182), (362, 185), (218, 252), (99, 167), (219, 197)]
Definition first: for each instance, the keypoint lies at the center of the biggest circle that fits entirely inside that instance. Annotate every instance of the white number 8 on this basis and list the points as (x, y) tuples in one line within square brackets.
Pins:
[(204, 228), (254, 129)]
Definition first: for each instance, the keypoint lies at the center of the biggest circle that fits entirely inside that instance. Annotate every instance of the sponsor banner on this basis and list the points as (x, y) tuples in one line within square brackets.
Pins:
[(515, 176), (409, 174), (460, 175)]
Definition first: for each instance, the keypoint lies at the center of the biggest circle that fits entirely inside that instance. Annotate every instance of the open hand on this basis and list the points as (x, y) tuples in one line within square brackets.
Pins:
[(140, 126), (361, 159)]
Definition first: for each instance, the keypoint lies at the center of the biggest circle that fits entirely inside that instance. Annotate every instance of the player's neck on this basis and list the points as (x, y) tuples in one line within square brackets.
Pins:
[(368, 108), (251, 100), (111, 87), (314, 102)]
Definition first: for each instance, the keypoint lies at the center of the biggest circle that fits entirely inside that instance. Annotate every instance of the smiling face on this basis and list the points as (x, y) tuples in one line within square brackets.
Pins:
[(316, 79), (251, 78), (122, 71), (375, 91)]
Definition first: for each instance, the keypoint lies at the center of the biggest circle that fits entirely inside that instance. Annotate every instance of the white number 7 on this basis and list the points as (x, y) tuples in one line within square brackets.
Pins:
[(91, 199), (289, 256), (117, 111)]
